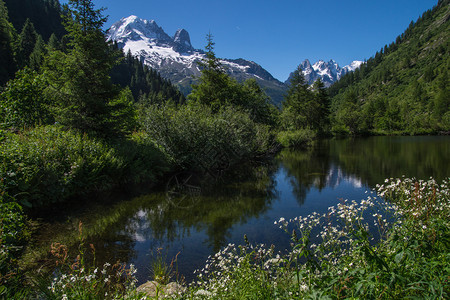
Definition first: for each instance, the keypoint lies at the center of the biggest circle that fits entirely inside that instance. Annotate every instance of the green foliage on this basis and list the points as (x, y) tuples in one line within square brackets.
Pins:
[(7, 36), (79, 79), (23, 103), (48, 165), (304, 108), (404, 87), (193, 135), (162, 271), (14, 233), (217, 89), (147, 86), (300, 138)]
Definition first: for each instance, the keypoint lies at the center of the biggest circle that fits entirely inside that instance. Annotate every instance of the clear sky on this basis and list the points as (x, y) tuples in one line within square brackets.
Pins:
[(280, 34)]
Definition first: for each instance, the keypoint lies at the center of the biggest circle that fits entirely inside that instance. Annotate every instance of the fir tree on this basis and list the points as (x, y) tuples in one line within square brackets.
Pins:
[(53, 43), (7, 34), (301, 109), (323, 106), (37, 56), (213, 87), (80, 78), (26, 43)]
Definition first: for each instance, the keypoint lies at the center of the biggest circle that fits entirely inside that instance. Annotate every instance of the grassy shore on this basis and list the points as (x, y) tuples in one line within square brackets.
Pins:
[(392, 245)]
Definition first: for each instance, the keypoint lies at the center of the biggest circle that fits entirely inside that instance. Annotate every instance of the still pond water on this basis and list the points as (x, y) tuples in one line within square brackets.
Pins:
[(249, 200)]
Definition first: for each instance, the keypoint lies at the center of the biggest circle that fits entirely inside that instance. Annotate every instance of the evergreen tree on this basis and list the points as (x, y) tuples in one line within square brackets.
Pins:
[(53, 43), (301, 109), (323, 106), (38, 55), (26, 43), (7, 34), (257, 103), (213, 87), (80, 78)]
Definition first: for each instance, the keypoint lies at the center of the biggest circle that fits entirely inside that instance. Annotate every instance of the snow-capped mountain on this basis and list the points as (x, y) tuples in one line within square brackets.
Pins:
[(176, 59), (329, 72)]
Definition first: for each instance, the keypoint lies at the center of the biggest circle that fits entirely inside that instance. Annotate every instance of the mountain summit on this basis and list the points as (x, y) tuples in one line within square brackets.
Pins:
[(176, 59), (329, 72)]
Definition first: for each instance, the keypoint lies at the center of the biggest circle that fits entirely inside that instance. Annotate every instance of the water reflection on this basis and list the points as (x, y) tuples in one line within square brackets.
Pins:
[(249, 199)]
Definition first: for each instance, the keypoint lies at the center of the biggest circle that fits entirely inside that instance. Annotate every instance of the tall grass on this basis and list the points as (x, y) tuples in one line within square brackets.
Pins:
[(47, 165)]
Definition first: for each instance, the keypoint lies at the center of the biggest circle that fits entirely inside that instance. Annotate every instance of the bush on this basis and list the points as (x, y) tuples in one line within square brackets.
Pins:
[(48, 164), (196, 138), (340, 130), (13, 235), (23, 103), (300, 138)]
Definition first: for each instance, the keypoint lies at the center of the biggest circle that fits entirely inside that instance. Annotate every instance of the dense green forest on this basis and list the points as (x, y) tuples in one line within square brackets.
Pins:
[(32, 28), (404, 87)]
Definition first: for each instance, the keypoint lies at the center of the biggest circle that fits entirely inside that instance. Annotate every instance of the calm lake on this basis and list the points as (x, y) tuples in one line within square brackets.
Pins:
[(195, 217)]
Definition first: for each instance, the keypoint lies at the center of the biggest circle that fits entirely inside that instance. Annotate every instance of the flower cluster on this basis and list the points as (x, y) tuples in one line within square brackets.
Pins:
[(109, 282), (418, 199), (362, 248)]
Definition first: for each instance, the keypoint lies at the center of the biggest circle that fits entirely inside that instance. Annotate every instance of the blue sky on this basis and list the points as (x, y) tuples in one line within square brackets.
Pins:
[(280, 34)]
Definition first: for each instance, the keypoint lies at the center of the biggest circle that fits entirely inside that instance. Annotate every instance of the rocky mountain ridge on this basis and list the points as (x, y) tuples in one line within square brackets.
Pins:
[(176, 59), (329, 72)]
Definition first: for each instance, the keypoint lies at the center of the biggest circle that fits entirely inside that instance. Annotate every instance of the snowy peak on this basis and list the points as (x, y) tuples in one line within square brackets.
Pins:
[(134, 33), (182, 37), (329, 72), (353, 65), (176, 59), (134, 28)]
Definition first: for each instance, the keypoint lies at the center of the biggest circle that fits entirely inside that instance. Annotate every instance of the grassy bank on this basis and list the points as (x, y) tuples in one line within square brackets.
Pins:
[(391, 248), (372, 249), (49, 165)]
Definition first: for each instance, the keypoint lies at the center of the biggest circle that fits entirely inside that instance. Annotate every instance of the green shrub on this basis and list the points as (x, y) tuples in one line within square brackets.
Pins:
[(296, 139), (196, 138), (340, 130), (23, 103), (13, 235), (48, 164)]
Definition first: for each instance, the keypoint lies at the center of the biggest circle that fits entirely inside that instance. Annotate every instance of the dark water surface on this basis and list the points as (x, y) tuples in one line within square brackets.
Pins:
[(197, 217)]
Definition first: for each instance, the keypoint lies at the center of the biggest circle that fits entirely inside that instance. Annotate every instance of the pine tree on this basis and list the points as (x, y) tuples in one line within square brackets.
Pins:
[(53, 43), (301, 109), (80, 78), (323, 102), (7, 35), (26, 43), (213, 87), (37, 56)]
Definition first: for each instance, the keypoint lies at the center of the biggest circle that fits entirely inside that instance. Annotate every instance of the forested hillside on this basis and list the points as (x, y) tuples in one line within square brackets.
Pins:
[(44, 14), (404, 86), (30, 29)]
